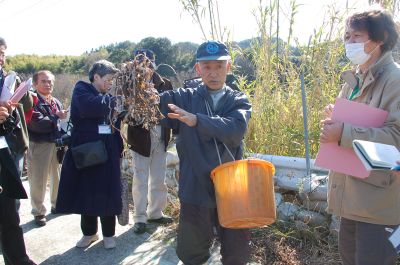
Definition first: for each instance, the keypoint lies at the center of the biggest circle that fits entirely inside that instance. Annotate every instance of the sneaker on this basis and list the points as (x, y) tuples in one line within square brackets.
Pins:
[(109, 242), (162, 220), (139, 228), (53, 210), (40, 220), (86, 241)]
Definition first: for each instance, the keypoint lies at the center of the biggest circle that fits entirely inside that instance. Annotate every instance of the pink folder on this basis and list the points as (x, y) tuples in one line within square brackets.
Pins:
[(21, 90), (341, 159)]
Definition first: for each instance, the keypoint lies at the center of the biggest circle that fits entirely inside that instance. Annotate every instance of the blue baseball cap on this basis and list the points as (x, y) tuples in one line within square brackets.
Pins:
[(146, 52), (212, 51)]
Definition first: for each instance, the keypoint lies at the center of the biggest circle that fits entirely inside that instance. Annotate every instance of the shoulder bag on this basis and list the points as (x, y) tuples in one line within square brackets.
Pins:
[(89, 154)]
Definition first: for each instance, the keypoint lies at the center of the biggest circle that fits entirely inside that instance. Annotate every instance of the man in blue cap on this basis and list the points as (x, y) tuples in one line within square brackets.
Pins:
[(211, 120)]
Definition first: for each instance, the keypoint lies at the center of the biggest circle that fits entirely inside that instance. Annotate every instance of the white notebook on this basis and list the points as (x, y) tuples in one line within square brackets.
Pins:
[(376, 155)]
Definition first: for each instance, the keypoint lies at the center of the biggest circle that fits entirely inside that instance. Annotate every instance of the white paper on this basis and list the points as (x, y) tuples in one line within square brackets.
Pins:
[(8, 87), (10, 80), (378, 154), (3, 142), (395, 239), (104, 129), (5, 94), (64, 122)]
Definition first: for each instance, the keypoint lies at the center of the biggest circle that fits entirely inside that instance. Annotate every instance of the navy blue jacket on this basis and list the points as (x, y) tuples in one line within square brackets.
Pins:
[(195, 145), (2, 77), (95, 190)]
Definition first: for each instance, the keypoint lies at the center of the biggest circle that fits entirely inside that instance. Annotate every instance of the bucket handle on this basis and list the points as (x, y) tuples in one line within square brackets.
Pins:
[(209, 113)]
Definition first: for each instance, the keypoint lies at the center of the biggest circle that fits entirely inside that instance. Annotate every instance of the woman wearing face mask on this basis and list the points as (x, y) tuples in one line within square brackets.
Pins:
[(369, 208), (94, 191)]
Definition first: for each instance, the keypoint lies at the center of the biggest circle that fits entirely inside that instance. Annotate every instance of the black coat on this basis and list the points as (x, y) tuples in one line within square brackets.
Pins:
[(139, 137), (10, 180), (95, 190), (42, 126)]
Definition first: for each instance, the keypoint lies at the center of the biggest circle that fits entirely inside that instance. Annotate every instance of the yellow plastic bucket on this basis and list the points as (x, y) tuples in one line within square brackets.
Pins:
[(244, 191)]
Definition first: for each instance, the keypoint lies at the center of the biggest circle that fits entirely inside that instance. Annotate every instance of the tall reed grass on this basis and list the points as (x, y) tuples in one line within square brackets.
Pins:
[(277, 122), (276, 126)]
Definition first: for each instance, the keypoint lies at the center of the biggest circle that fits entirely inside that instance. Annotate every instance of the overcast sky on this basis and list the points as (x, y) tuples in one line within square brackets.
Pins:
[(71, 27)]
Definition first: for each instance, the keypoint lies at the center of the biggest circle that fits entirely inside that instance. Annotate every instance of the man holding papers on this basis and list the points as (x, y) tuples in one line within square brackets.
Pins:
[(12, 237), (369, 207)]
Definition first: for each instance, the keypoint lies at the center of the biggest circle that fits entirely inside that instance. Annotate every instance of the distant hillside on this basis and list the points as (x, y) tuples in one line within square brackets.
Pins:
[(178, 58)]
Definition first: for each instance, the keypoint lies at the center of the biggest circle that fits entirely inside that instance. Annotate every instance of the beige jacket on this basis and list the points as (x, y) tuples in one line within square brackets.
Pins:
[(375, 199)]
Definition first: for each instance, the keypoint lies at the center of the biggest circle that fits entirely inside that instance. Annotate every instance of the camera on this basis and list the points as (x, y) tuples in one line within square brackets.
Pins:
[(64, 140)]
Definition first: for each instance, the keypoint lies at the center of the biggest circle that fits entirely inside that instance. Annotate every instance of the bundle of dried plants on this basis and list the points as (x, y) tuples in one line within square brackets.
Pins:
[(139, 98)]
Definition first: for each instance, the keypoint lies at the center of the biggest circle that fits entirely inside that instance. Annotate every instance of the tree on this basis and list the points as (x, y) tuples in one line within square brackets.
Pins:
[(120, 52), (92, 57), (160, 46), (391, 5), (184, 54)]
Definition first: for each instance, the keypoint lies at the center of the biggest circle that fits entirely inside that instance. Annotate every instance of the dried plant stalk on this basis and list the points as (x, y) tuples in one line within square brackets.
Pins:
[(139, 97)]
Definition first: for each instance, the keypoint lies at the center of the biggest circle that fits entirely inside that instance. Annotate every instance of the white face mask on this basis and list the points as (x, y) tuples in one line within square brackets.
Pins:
[(356, 54)]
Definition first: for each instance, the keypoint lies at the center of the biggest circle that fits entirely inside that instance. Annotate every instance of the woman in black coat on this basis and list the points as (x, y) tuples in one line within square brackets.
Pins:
[(94, 191)]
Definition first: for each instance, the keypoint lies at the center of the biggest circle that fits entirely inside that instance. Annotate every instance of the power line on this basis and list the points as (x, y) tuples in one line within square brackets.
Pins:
[(53, 4), (27, 8)]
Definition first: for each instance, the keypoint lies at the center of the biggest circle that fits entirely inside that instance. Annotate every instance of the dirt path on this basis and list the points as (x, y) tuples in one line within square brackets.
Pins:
[(54, 244)]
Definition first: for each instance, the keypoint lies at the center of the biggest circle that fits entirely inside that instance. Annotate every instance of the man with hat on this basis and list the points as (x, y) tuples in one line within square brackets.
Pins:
[(149, 151), (211, 120)]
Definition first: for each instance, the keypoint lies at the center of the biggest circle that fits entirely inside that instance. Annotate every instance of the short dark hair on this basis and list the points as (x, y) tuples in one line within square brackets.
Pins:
[(102, 68), (379, 24), (3, 42), (36, 75)]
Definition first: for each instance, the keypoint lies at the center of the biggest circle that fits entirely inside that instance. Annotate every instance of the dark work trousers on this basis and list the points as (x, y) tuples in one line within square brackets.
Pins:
[(89, 225), (19, 161), (196, 234), (366, 244), (12, 237)]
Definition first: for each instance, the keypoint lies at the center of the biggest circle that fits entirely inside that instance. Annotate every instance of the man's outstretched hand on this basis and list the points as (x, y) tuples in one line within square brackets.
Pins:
[(182, 115)]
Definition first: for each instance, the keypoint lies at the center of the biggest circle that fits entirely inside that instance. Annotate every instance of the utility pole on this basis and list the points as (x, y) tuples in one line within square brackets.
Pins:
[(305, 124), (277, 29)]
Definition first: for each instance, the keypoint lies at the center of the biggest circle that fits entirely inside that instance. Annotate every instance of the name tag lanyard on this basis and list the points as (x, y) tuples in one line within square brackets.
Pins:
[(356, 89), (104, 128)]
